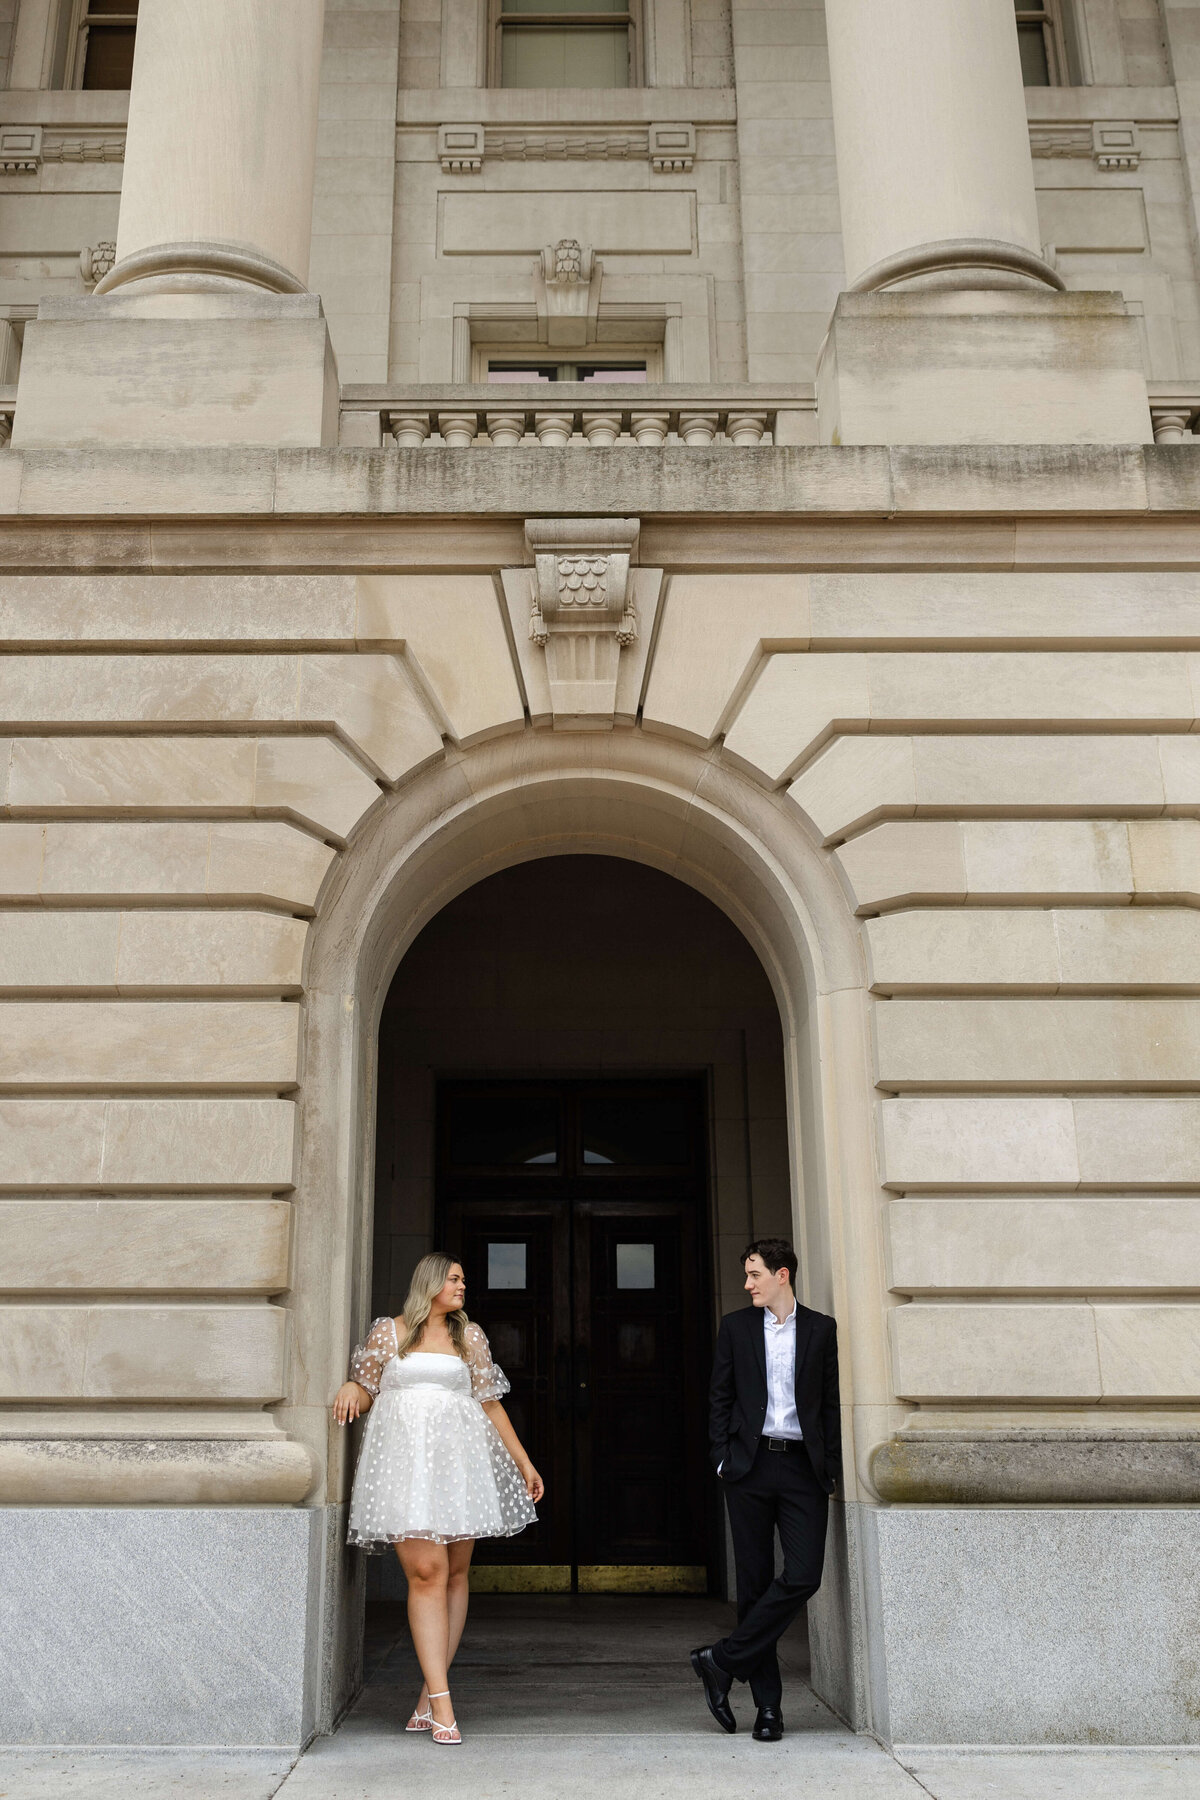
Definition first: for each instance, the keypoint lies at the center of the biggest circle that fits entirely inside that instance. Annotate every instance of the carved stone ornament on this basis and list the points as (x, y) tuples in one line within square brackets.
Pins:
[(582, 612), (20, 149), (95, 261), (460, 149), (566, 286)]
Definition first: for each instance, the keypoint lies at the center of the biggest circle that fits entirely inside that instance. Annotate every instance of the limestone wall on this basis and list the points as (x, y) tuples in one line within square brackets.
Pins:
[(725, 269), (993, 770)]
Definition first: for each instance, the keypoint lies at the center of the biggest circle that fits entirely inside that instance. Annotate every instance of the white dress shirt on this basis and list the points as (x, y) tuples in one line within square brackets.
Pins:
[(782, 1420)]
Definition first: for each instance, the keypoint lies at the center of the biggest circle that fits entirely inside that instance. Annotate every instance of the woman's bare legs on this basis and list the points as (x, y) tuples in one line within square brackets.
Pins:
[(437, 1612)]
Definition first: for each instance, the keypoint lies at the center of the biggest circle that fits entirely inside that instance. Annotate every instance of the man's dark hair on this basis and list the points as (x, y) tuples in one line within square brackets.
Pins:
[(776, 1253)]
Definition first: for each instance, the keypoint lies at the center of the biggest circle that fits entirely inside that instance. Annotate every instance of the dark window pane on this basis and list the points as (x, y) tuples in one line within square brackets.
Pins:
[(610, 372), (97, 8), (108, 62), (498, 372), (491, 1131), (643, 1131), (1035, 65), (563, 6)]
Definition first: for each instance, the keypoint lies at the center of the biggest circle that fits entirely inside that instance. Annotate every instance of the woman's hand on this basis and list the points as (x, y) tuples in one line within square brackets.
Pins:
[(535, 1487), (349, 1401)]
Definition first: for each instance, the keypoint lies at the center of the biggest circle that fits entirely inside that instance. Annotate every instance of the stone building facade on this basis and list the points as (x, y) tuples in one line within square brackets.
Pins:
[(743, 455)]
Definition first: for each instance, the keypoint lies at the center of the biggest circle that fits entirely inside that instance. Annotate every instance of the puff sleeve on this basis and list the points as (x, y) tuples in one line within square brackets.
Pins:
[(487, 1381), (378, 1348)]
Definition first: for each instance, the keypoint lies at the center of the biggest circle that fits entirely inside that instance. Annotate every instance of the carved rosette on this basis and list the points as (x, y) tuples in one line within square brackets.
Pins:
[(582, 612)]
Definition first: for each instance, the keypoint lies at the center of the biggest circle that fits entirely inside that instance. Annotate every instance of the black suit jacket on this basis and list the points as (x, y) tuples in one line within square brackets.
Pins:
[(738, 1395)]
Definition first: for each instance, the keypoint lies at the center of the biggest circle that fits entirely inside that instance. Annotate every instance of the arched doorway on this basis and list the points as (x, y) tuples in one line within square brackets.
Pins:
[(581, 1093), (666, 806)]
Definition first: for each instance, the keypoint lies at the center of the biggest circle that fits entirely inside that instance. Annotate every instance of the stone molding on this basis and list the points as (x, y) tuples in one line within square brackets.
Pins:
[(669, 146), (582, 612), (91, 1471), (960, 262), (1111, 143), (20, 149), (1043, 1468), (24, 148), (199, 268)]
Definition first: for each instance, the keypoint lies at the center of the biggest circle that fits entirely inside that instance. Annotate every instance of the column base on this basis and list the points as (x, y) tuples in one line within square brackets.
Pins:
[(982, 367), (1032, 1625), (178, 370), (160, 1625)]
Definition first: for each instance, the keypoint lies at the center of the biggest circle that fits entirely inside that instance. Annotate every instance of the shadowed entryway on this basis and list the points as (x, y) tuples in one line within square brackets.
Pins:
[(581, 1095)]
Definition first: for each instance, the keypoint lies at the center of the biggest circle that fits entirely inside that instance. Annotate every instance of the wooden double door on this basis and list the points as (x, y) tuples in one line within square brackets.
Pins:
[(578, 1211)]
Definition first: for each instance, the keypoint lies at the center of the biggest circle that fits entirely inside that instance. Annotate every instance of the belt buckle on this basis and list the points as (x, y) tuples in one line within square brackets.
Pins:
[(777, 1444)]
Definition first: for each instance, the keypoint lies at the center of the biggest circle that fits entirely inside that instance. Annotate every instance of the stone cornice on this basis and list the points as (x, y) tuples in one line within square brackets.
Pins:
[(948, 484)]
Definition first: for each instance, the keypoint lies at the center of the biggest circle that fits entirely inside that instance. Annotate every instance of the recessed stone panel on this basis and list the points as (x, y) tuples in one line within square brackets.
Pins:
[(513, 224)]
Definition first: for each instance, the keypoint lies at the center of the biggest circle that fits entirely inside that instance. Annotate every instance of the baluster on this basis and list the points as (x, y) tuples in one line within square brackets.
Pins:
[(746, 427), (698, 428), (602, 428), (1170, 425), (554, 428), (506, 429), (458, 429), (410, 430), (650, 427)]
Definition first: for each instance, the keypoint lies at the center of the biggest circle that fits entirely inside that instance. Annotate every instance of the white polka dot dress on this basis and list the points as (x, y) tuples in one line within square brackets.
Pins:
[(432, 1464)]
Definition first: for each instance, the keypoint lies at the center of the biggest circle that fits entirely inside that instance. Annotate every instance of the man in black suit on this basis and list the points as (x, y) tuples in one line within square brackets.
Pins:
[(775, 1440)]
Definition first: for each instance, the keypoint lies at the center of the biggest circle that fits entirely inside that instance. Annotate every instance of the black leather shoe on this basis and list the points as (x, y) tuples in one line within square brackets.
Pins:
[(716, 1687), (768, 1726)]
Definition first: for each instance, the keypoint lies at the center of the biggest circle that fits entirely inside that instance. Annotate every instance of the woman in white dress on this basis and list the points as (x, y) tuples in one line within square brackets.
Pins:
[(440, 1465)]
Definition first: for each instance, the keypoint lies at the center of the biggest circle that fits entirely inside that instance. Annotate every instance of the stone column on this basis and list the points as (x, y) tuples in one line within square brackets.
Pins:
[(204, 331), (953, 328), (934, 171), (219, 159)]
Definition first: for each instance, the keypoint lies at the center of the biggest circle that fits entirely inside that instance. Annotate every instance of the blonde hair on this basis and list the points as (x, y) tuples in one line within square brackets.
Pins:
[(428, 1279)]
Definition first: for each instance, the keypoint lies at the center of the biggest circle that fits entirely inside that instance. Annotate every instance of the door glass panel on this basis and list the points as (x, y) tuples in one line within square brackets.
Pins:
[(502, 1131), (635, 1265), (642, 1131), (506, 1266)]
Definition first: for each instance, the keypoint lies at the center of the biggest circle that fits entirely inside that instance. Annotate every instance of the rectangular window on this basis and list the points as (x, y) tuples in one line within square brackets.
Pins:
[(502, 370), (1046, 37), (100, 51), (563, 43)]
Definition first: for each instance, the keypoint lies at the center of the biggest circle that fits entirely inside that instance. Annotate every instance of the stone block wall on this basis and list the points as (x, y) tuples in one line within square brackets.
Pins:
[(966, 739)]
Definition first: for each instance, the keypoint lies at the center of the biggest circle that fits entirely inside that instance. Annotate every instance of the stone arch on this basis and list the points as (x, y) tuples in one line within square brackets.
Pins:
[(681, 811)]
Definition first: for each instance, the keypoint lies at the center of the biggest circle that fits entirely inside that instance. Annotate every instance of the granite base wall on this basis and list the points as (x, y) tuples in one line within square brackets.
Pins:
[(1031, 1625), (158, 1625)]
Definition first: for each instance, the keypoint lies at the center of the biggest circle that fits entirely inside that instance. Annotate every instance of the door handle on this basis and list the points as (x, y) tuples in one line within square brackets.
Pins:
[(562, 1382), (583, 1381)]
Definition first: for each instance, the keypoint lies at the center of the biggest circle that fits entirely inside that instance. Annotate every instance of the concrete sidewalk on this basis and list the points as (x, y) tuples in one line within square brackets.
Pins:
[(563, 1696)]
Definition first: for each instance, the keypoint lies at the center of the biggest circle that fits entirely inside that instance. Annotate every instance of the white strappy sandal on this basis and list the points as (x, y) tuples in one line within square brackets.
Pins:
[(444, 1734), (421, 1721)]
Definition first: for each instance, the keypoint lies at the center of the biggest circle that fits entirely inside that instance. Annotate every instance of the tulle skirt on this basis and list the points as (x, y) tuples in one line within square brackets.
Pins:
[(433, 1466)]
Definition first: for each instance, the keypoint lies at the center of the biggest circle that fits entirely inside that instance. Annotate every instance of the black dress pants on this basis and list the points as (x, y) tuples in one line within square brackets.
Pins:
[(778, 1492)]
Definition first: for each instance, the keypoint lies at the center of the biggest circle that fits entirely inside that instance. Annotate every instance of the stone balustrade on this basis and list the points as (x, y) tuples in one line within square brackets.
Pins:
[(583, 413)]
